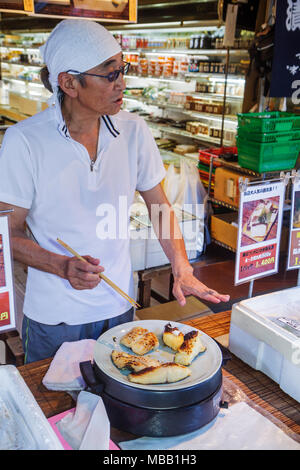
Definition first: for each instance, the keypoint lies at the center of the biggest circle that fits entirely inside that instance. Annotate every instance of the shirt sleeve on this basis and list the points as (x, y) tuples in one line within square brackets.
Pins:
[(16, 170), (151, 170)]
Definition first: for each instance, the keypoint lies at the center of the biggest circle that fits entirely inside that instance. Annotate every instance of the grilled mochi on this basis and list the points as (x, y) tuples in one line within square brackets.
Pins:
[(140, 340), (123, 360), (190, 348), (165, 373), (172, 337)]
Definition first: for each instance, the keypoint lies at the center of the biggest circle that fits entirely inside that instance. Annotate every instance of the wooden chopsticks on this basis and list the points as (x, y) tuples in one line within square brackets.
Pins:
[(114, 286)]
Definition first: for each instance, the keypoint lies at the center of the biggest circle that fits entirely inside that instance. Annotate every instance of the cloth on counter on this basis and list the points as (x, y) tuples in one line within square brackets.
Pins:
[(240, 427), (88, 427), (64, 372)]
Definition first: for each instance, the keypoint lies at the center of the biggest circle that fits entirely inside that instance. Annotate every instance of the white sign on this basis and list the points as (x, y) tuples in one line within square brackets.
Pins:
[(259, 231), (7, 307), (294, 240)]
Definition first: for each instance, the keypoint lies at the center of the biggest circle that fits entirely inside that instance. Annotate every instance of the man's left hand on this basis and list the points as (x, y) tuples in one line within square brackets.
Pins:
[(185, 283)]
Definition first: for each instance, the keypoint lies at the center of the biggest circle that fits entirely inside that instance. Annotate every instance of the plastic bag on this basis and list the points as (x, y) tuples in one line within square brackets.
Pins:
[(171, 184), (193, 198)]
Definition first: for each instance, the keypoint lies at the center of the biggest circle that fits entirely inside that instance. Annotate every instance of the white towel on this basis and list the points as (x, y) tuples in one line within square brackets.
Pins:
[(88, 427), (64, 372), (238, 428)]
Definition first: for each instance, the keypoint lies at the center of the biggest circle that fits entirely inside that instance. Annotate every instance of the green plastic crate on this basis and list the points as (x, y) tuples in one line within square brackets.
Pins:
[(274, 121), (263, 157), (269, 136)]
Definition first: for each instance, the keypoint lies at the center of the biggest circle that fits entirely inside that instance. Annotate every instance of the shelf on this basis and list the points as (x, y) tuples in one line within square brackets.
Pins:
[(215, 96), (194, 114), (20, 46), (217, 242), (22, 64), (22, 80), (158, 79), (194, 75), (182, 133), (215, 76), (224, 204), (196, 52), (12, 114), (246, 171), (170, 154)]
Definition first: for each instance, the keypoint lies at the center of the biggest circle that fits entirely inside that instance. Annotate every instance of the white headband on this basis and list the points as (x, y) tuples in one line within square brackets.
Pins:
[(77, 45)]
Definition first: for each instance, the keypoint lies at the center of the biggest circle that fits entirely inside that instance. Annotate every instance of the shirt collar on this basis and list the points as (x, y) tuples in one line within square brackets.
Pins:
[(110, 126), (62, 126), (63, 129)]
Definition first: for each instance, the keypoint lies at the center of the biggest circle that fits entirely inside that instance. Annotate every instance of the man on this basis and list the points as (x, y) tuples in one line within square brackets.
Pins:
[(57, 169)]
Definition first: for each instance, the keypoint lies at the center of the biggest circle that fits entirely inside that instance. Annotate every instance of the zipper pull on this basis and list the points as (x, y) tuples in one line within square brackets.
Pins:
[(92, 165)]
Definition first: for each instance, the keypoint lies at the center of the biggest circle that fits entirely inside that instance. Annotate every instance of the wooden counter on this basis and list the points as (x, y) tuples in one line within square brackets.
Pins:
[(258, 387)]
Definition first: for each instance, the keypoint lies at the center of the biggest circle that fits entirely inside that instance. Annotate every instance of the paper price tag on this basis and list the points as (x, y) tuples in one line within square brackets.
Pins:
[(133, 11), (230, 25), (28, 5)]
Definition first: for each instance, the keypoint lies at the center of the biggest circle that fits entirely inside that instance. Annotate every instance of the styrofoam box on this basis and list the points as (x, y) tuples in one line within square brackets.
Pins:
[(265, 345), (23, 424)]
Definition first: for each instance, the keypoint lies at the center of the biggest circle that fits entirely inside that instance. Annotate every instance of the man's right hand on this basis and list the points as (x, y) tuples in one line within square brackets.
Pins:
[(83, 275)]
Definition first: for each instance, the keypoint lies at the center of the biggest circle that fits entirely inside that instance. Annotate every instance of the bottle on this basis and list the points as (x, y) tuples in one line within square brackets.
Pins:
[(196, 42)]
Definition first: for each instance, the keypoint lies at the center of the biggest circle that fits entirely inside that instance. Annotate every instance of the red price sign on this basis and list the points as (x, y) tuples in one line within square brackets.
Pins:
[(4, 309), (259, 232), (294, 258), (257, 261), (294, 241)]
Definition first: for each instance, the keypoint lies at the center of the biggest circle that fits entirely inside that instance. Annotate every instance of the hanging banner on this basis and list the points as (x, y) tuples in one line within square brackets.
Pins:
[(286, 61), (259, 230), (294, 241), (7, 308)]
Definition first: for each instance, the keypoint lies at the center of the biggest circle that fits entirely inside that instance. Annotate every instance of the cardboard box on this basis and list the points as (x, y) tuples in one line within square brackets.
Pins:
[(223, 230), (227, 186)]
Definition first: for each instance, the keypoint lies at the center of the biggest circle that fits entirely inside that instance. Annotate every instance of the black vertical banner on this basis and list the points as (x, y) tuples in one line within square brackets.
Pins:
[(286, 61)]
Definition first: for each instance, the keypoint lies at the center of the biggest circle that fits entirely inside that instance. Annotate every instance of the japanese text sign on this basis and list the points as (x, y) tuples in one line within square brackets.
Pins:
[(259, 231), (7, 310), (294, 241)]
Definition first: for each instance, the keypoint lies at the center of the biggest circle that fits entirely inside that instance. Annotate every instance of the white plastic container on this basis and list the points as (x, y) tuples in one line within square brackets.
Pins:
[(266, 344), (138, 236), (146, 250), (23, 425)]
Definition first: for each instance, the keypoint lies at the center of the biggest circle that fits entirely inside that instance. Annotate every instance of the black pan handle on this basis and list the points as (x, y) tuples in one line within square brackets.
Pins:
[(88, 374), (226, 356)]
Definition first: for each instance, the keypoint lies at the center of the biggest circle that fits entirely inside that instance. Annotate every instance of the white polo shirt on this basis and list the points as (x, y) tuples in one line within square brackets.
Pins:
[(44, 170)]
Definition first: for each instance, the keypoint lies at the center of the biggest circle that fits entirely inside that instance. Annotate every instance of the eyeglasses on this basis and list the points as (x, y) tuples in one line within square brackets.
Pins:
[(111, 77)]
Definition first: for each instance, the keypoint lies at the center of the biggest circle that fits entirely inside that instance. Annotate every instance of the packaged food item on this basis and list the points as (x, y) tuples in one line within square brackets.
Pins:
[(183, 149)]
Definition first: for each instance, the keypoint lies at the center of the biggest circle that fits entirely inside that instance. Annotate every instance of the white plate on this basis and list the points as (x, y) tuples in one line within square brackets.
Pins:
[(203, 367)]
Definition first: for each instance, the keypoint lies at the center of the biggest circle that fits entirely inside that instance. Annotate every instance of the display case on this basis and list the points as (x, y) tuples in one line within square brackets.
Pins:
[(186, 84), (175, 75), (22, 93)]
